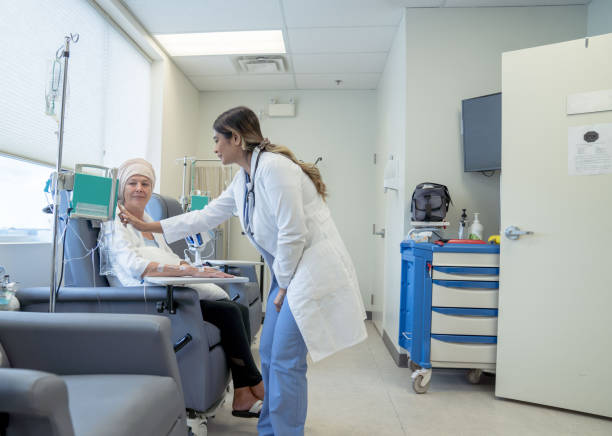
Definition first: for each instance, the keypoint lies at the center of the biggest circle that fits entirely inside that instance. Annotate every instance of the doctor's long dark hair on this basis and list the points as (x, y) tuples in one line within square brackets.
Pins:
[(243, 121)]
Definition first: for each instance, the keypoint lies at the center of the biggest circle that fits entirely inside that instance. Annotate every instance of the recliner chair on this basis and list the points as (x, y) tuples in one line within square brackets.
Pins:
[(88, 375), (202, 365)]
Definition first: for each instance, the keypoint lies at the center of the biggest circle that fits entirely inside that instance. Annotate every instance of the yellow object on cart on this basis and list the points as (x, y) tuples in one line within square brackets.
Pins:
[(494, 239)]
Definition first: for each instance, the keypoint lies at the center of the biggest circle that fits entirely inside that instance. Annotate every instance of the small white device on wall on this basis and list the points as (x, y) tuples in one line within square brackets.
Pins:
[(391, 179), (281, 109)]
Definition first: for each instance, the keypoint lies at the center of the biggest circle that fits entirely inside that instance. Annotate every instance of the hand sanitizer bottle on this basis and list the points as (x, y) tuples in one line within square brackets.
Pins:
[(476, 228), (462, 224)]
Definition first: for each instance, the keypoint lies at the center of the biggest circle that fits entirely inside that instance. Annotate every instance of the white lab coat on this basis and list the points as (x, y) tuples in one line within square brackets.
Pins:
[(127, 255), (292, 223)]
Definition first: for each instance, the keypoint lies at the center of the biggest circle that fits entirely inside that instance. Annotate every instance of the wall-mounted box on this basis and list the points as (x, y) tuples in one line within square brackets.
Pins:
[(281, 110)]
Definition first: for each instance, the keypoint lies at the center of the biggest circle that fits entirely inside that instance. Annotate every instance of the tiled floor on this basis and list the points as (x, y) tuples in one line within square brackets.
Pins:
[(362, 392)]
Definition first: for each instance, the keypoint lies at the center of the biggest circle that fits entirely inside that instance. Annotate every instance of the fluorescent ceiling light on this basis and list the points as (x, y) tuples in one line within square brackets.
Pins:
[(223, 43)]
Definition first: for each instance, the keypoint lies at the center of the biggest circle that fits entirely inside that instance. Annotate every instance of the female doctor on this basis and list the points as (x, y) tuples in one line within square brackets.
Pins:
[(281, 204)]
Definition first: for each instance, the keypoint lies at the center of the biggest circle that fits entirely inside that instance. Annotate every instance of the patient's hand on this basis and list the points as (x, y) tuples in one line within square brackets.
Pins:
[(211, 272)]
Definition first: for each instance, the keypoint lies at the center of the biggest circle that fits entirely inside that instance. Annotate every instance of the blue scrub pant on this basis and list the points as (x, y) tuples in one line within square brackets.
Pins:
[(283, 366)]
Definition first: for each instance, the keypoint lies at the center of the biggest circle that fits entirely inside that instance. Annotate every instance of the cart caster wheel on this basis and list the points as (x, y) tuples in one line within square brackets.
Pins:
[(474, 376), (413, 366), (418, 386)]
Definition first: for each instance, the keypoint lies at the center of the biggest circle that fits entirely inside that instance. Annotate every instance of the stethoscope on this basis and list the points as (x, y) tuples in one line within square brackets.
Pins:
[(249, 196)]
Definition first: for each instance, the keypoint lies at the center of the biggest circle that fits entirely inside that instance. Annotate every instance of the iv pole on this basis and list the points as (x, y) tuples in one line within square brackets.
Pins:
[(65, 53), (185, 201)]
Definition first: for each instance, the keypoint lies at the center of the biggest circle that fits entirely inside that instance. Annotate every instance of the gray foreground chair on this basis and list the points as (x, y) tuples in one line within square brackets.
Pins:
[(202, 365), (88, 375)]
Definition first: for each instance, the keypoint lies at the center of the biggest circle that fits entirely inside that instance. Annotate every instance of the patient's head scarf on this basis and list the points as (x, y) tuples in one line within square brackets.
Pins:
[(134, 167)]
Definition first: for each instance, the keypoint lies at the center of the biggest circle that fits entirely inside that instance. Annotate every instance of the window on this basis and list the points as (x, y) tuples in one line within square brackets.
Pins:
[(22, 185), (108, 104)]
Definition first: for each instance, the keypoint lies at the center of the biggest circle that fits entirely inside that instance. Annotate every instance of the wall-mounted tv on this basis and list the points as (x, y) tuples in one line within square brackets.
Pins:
[(481, 121)]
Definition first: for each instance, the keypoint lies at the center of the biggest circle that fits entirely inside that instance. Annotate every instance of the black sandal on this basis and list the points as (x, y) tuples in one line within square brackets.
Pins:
[(253, 412)]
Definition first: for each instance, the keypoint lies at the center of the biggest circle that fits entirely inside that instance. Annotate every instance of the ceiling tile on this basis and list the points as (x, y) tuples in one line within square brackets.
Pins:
[(485, 3), (165, 16), (328, 81), (243, 82), (205, 65), (341, 39), (341, 13), (418, 3), (339, 63)]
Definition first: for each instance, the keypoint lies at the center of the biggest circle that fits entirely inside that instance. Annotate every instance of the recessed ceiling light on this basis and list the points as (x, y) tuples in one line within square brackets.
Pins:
[(223, 43)]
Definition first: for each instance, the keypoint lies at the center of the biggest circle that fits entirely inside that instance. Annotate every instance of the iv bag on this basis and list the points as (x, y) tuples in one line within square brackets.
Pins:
[(53, 88)]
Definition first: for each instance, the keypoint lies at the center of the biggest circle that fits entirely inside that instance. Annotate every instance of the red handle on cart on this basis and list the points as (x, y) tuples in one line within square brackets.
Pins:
[(465, 241)]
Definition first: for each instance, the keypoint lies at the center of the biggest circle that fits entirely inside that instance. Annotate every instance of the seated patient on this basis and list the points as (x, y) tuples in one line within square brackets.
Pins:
[(134, 254)]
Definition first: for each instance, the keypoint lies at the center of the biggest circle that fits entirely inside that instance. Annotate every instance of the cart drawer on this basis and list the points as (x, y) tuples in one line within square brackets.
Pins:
[(444, 350), (446, 293), (457, 321), (465, 273), (466, 259)]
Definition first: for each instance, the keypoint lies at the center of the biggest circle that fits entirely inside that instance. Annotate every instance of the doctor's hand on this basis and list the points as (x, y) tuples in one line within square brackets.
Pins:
[(280, 297), (127, 218)]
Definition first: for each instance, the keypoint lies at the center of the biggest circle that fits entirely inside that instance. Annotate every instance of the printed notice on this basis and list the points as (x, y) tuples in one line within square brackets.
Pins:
[(590, 150)]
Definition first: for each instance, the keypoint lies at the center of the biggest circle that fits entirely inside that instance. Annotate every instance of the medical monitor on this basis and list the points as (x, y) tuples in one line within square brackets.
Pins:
[(481, 132)]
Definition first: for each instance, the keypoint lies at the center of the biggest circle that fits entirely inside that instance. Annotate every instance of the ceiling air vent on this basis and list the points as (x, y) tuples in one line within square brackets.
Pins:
[(261, 64)]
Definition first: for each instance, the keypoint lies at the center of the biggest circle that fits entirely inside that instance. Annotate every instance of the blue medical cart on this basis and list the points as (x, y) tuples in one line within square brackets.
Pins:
[(448, 308)]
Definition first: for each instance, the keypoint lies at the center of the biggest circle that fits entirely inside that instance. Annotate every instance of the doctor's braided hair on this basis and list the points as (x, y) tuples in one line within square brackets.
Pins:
[(243, 121)]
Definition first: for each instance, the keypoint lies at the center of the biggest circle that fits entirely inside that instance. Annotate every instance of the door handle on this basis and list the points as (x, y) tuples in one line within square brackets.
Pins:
[(513, 232), (380, 233)]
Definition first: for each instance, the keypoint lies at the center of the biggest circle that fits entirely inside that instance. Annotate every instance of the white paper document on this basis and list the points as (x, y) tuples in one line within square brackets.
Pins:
[(590, 150)]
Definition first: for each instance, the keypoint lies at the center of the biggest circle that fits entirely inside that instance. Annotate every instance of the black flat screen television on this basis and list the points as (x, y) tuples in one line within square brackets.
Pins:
[(481, 121)]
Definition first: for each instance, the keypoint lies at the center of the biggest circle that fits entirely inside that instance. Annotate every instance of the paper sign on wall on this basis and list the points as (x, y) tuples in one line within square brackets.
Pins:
[(590, 150)]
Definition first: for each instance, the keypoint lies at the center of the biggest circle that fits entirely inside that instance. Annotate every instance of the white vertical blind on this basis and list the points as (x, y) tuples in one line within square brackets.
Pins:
[(107, 116)]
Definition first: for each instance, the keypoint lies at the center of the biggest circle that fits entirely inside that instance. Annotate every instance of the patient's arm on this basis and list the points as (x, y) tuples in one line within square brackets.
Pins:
[(154, 269)]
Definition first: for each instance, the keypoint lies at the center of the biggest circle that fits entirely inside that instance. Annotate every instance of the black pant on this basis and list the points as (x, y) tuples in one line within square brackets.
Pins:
[(232, 319)]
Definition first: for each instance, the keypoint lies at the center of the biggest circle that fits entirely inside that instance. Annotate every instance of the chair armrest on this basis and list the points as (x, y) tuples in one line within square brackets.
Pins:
[(89, 343), (37, 295), (35, 393), (133, 299)]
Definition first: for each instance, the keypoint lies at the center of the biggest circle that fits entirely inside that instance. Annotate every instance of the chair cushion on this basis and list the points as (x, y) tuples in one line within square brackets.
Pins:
[(102, 405)]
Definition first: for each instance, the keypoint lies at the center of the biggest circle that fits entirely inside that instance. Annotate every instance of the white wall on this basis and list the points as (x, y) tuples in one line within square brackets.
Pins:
[(391, 140), (339, 126), (179, 129), (599, 17), (453, 54)]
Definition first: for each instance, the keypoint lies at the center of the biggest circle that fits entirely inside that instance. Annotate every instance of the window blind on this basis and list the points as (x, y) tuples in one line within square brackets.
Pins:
[(108, 103)]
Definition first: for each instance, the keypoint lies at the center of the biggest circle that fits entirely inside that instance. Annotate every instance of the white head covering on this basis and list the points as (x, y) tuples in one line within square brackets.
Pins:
[(134, 167)]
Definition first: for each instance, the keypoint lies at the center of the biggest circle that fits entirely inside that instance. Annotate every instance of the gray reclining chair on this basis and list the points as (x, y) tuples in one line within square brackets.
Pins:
[(202, 365), (88, 375), (247, 294)]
